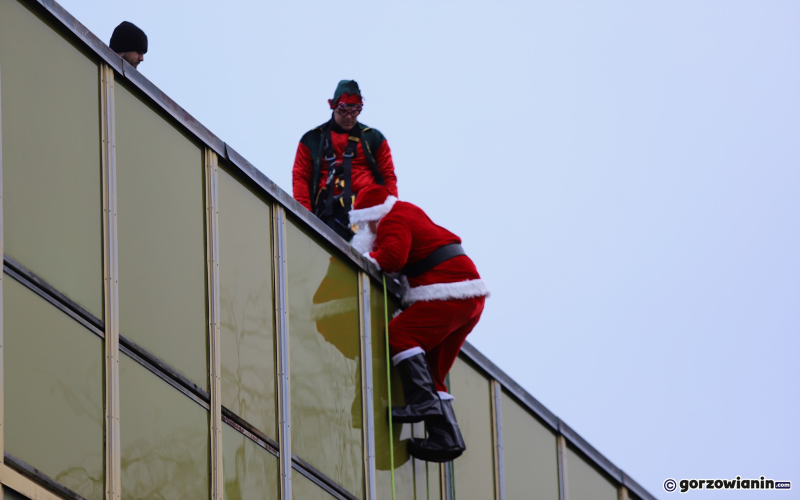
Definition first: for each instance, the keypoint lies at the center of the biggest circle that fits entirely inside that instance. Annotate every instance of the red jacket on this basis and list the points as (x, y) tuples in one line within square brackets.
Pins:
[(361, 175), (406, 234)]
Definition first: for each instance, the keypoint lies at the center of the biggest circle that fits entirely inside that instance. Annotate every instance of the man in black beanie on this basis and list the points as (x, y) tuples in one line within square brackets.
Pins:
[(129, 42)]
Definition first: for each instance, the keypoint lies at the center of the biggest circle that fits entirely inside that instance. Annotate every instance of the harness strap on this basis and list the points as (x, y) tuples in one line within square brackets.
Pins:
[(433, 259)]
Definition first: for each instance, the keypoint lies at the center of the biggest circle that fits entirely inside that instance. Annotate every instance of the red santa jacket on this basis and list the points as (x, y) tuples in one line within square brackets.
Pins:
[(406, 235), (361, 175)]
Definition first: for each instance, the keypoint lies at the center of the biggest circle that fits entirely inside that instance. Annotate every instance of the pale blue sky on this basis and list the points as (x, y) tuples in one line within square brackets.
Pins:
[(625, 174)]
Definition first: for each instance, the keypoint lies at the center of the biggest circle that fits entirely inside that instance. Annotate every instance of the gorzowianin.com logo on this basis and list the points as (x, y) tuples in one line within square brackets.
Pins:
[(685, 485)]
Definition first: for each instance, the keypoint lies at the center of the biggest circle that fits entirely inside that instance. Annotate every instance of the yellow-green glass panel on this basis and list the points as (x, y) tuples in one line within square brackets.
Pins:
[(251, 472), (585, 482), (53, 391), (474, 470), (304, 489), (530, 454), (325, 360), (52, 210), (403, 463), (9, 494), (164, 438), (161, 232), (246, 305)]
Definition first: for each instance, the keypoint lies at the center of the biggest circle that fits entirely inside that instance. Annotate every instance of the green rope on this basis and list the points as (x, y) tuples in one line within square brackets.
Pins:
[(388, 381)]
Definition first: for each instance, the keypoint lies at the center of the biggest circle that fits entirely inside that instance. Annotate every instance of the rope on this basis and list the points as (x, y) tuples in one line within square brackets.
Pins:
[(388, 382)]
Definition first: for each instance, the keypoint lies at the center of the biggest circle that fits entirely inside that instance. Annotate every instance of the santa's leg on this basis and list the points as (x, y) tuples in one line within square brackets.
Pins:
[(419, 328), (444, 441)]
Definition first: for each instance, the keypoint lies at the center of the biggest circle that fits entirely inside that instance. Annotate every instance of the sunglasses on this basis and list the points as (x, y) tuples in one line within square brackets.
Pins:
[(349, 109)]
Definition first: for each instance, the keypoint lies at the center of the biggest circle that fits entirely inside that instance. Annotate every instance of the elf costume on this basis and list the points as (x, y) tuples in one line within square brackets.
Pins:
[(333, 165), (444, 295)]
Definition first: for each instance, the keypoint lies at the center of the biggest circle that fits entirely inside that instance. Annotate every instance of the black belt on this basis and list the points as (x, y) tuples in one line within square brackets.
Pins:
[(433, 259)]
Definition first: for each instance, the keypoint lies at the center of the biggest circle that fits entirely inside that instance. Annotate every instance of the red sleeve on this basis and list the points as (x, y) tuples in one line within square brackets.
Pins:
[(392, 244), (301, 176), (383, 157)]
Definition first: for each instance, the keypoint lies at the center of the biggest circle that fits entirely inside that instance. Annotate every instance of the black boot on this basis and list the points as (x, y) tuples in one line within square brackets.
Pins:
[(422, 400), (444, 442)]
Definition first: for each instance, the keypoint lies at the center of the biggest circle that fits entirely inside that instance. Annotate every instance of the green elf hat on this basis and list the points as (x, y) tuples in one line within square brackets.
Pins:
[(347, 92)]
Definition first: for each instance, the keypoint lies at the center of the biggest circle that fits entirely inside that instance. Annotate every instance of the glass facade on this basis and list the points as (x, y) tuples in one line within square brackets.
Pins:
[(53, 374), (246, 305), (53, 370), (474, 470), (304, 489), (164, 438), (325, 361), (161, 232), (530, 454), (52, 210), (585, 482), (251, 472)]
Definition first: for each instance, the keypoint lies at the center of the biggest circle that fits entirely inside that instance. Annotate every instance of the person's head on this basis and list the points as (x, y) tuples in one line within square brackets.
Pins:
[(346, 104), (371, 205), (129, 42)]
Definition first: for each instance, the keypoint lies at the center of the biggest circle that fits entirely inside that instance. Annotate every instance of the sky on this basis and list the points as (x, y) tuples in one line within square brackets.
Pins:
[(625, 175)]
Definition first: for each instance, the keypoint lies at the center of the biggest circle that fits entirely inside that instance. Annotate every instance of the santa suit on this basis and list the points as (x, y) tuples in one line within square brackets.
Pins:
[(446, 301)]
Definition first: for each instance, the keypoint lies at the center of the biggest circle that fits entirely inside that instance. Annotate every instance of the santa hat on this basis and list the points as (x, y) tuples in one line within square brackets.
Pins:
[(372, 203)]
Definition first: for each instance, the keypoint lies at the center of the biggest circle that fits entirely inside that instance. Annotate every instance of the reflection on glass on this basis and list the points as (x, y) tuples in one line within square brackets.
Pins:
[(51, 157), (325, 361), (246, 305), (304, 489), (164, 438), (161, 231), (585, 482), (530, 455), (251, 472), (474, 470), (53, 391), (403, 464)]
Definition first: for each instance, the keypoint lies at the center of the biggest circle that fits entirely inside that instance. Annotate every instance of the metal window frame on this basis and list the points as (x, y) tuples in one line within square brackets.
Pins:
[(214, 358), (113, 451), (497, 437), (563, 487), (367, 399), (282, 339)]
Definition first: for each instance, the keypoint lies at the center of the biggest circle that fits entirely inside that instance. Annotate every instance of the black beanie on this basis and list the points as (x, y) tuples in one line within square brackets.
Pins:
[(127, 37)]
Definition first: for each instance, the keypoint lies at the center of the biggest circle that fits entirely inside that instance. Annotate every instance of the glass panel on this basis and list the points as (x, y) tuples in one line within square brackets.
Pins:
[(51, 157), (162, 288), (164, 438), (251, 472), (53, 392), (474, 470), (304, 489), (325, 361), (584, 482), (9, 494), (530, 454), (403, 463), (246, 305)]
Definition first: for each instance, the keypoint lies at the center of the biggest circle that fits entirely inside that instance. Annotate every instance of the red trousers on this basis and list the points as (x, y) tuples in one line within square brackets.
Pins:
[(438, 327)]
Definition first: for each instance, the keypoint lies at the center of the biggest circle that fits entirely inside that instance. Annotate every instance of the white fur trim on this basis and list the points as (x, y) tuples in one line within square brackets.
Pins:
[(364, 240), (401, 356), (445, 396), (446, 291), (372, 213), (333, 308), (372, 259), (397, 313)]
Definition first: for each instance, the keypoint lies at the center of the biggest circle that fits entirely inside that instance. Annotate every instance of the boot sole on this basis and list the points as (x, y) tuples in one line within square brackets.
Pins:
[(438, 456)]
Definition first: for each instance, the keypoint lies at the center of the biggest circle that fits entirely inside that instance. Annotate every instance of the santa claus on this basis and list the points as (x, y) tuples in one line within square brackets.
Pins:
[(444, 295)]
